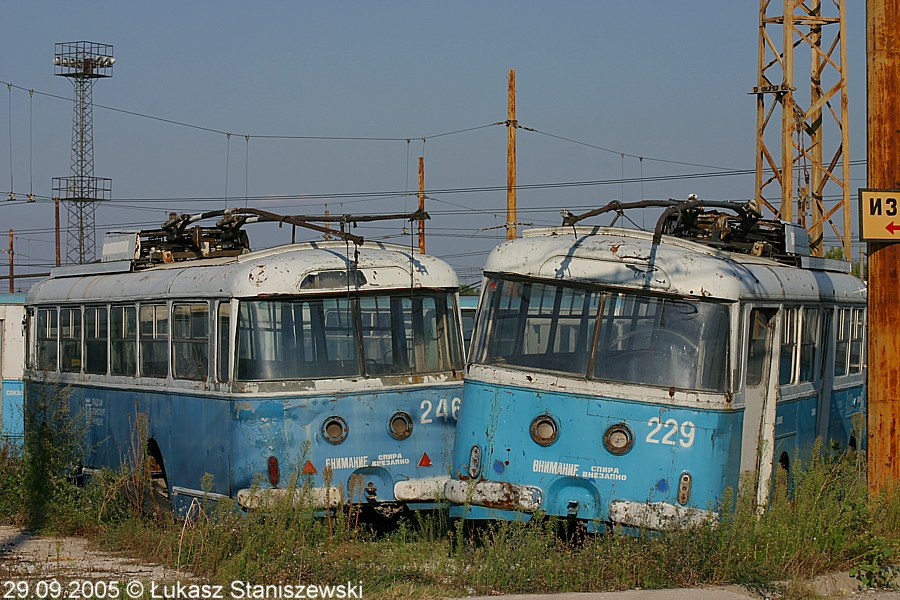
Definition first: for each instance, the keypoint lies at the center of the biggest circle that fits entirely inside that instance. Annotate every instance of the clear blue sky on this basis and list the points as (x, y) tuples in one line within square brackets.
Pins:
[(662, 80)]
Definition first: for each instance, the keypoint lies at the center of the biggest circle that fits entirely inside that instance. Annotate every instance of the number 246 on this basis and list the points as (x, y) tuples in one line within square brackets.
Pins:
[(441, 410)]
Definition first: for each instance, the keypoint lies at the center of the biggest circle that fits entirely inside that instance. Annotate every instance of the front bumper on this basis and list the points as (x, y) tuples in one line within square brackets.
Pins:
[(493, 494), (658, 516), (504, 496), (316, 497), (426, 489)]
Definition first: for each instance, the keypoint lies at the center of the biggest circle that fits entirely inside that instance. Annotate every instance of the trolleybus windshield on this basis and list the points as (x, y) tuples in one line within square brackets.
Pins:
[(642, 339), (311, 338)]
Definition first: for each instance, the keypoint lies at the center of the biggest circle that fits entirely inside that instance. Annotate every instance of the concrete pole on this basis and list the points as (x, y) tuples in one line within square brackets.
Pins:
[(883, 145)]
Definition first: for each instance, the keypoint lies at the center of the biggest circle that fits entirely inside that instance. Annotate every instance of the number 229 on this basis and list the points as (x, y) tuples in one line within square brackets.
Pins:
[(670, 429)]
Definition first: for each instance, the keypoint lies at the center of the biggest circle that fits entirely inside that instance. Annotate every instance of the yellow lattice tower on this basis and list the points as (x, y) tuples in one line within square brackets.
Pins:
[(813, 169)]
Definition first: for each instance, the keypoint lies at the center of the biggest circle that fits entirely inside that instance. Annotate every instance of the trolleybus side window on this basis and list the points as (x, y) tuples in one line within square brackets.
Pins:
[(46, 337), (223, 345), (95, 338), (842, 342), (759, 334), (190, 341), (809, 331), (70, 339), (123, 340), (789, 344), (857, 333), (154, 330)]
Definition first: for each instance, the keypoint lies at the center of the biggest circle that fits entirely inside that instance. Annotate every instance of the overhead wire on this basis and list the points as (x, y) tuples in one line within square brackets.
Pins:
[(612, 151), (359, 197)]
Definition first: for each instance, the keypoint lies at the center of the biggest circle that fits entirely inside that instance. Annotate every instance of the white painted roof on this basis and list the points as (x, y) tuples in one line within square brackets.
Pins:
[(628, 258), (273, 271)]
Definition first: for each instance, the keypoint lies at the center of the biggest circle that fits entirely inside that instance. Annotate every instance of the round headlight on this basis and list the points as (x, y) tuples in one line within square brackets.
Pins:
[(618, 439), (544, 430), (400, 426), (334, 430)]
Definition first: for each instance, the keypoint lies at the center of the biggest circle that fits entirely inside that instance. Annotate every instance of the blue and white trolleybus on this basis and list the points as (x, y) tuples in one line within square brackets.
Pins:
[(625, 377), (12, 365), (336, 361)]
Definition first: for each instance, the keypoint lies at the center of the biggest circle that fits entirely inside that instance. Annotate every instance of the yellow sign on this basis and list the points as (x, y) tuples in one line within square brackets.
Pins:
[(879, 215)]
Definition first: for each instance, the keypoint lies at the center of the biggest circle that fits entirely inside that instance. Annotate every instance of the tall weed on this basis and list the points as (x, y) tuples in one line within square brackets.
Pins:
[(824, 521)]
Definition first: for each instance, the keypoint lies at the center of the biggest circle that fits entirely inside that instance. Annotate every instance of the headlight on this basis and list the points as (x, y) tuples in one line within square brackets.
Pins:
[(618, 439), (334, 430), (544, 430), (400, 426)]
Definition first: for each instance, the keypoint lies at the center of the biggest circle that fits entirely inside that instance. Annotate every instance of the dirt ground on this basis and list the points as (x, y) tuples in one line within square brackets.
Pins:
[(23, 556), (28, 558)]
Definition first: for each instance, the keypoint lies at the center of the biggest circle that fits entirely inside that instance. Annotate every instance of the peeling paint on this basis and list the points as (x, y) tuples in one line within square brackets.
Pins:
[(494, 494)]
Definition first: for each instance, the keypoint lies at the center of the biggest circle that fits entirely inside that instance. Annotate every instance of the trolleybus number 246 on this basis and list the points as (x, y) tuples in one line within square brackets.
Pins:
[(444, 410)]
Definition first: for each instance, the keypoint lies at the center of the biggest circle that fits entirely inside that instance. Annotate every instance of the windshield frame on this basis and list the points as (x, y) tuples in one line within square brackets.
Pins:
[(701, 364), (308, 327)]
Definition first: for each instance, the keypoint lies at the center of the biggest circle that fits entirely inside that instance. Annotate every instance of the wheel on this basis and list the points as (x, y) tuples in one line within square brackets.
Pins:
[(157, 503)]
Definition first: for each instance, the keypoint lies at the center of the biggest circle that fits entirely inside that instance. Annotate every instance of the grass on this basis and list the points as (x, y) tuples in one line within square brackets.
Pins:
[(827, 522)]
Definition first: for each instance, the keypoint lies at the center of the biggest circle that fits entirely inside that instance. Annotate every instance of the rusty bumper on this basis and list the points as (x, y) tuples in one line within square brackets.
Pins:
[(493, 494)]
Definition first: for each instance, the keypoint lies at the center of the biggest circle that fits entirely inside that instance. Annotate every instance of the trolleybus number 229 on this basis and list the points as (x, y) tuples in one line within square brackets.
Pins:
[(672, 428)]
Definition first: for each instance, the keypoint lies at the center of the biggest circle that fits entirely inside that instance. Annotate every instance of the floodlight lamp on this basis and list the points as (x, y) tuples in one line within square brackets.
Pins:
[(102, 61)]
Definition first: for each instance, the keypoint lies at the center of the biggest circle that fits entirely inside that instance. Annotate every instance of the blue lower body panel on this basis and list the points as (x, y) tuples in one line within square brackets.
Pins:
[(673, 462)]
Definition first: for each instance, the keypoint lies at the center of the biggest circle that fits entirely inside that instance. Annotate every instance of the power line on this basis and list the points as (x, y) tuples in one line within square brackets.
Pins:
[(133, 113), (619, 153)]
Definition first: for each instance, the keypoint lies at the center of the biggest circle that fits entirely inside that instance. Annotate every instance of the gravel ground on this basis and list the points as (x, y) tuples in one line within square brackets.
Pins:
[(24, 556)]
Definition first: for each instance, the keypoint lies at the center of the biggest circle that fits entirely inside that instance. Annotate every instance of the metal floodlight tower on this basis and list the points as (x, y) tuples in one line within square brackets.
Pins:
[(812, 160), (83, 63)]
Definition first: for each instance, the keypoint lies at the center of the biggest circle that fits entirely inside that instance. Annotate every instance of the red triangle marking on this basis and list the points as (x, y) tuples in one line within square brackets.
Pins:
[(309, 469), (424, 461)]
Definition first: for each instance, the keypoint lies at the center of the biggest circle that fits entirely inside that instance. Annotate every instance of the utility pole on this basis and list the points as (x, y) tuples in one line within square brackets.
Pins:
[(12, 272), (883, 146), (813, 140), (56, 216), (422, 204), (511, 126)]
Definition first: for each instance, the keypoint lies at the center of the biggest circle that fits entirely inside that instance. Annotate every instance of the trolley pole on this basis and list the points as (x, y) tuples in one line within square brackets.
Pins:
[(421, 204), (883, 145), (511, 126)]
